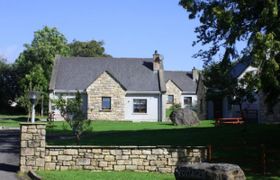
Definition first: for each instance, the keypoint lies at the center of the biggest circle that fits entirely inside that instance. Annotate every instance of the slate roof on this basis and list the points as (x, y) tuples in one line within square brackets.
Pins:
[(240, 66), (182, 79), (77, 73)]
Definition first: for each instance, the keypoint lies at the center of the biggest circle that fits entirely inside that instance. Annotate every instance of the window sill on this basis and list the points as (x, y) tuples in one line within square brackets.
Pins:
[(139, 113), (105, 110)]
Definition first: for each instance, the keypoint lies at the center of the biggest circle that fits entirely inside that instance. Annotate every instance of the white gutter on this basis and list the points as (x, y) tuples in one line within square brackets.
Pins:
[(143, 92), (67, 91), (188, 92)]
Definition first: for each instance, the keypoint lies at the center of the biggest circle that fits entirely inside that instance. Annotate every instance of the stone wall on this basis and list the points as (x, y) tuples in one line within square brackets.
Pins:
[(32, 146), (172, 89), (119, 158), (105, 86), (35, 155)]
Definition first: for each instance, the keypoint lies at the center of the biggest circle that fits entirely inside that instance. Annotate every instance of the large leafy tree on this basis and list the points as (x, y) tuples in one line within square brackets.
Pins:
[(222, 84), (87, 49), (224, 23), (8, 84), (36, 61)]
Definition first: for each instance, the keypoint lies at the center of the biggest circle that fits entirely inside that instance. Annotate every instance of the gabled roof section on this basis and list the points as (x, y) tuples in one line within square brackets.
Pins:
[(240, 66), (182, 79), (110, 75), (134, 74)]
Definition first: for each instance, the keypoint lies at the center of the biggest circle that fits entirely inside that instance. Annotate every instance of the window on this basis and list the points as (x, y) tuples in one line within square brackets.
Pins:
[(106, 103), (170, 99), (140, 105), (188, 101)]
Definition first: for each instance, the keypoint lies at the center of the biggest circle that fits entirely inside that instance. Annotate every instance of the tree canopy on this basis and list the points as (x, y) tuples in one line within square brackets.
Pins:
[(225, 23), (87, 49), (32, 69)]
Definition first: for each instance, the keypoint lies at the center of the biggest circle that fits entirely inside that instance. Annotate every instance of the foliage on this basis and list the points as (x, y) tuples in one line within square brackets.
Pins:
[(36, 61), (71, 110), (87, 49), (226, 23), (9, 89), (221, 84), (170, 110)]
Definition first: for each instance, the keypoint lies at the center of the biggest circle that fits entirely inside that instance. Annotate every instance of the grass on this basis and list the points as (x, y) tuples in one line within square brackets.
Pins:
[(14, 120), (238, 144), (88, 175)]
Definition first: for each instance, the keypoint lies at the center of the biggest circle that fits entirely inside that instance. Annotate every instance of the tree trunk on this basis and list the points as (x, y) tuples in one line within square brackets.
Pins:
[(78, 139)]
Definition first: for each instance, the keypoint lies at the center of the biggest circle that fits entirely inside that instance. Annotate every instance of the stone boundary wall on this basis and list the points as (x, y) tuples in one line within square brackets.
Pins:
[(118, 158), (32, 146), (36, 155)]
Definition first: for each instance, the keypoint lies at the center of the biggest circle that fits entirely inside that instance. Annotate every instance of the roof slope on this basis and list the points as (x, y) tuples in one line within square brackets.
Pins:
[(77, 73), (182, 79), (240, 66)]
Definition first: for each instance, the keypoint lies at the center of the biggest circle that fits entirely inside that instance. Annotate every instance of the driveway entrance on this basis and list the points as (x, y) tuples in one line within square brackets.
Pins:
[(9, 154)]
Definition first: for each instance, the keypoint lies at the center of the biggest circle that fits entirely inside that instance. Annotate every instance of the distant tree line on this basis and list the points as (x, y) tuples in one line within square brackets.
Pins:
[(32, 69)]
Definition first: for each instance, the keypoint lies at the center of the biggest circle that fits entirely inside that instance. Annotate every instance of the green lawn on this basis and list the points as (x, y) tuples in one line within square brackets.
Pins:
[(89, 175), (237, 144), (12, 121)]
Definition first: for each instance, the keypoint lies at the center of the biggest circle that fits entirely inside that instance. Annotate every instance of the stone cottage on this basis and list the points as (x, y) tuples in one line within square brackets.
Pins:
[(135, 89)]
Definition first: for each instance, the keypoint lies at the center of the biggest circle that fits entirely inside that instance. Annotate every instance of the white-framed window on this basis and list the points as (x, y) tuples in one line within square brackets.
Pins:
[(188, 101), (106, 103), (139, 105), (170, 99)]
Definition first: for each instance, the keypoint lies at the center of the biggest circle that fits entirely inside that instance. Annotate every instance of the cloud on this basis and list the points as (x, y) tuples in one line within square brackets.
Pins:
[(10, 52)]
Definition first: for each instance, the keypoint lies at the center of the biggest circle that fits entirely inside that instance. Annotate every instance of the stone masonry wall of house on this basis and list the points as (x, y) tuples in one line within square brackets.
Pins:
[(36, 155), (105, 86), (172, 89)]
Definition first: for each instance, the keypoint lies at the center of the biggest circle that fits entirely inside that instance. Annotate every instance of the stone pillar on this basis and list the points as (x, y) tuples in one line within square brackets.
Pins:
[(32, 146)]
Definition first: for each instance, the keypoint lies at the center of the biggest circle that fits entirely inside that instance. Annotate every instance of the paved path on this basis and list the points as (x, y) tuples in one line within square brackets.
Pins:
[(9, 154)]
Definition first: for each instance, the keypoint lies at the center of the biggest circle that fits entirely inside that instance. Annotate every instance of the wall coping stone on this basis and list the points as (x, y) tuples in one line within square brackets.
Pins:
[(121, 147), (30, 123)]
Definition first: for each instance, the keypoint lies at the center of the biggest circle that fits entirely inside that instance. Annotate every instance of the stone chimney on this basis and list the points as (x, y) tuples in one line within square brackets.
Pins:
[(195, 74), (157, 64)]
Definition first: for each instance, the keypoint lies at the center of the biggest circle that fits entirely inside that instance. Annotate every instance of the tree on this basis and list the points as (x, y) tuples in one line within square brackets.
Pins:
[(71, 111), (36, 61), (225, 23), (33, 81), (221, 84), (9, 89), (87, 49)]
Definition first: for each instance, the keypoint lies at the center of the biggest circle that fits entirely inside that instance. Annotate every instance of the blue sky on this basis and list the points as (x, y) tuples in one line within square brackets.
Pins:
[(129, 28)]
